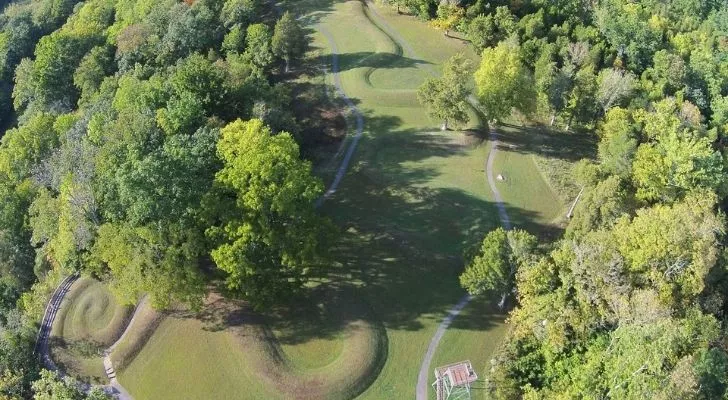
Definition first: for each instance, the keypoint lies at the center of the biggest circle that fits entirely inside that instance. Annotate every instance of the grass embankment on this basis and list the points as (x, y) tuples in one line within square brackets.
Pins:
[(140, 329), (89, 321), (412, 201), (318, 351)]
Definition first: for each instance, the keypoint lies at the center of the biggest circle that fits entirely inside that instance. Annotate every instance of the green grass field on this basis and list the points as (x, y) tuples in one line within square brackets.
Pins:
[(89, 321), (317, 351), (413, 200)]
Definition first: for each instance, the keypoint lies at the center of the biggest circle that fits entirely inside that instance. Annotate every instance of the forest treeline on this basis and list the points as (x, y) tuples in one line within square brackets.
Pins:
[(152, 145), (631, 302)]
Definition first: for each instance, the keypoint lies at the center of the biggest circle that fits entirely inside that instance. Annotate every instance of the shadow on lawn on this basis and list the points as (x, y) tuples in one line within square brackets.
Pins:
[(402, 242), (370, 59), (548, 143)]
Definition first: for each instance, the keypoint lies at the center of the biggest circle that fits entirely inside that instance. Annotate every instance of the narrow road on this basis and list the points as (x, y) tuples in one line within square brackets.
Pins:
[(54, 304), (424, 374)]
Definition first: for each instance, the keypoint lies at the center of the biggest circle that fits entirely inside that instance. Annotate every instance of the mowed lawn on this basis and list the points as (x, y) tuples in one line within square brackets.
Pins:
[(412, 201), (184, 360)]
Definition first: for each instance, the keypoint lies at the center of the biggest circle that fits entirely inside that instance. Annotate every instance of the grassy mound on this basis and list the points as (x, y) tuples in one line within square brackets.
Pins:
[(313, 352), (145, 321), (89, 321)]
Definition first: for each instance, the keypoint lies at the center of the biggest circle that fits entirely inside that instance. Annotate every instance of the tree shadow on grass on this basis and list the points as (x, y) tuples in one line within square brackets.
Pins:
[(370, 59), (548, 143), (402, 241)]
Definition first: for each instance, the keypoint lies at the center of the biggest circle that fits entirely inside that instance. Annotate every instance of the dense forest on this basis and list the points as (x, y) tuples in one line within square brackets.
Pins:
[(152, 144), (631, 302), (127, 158)]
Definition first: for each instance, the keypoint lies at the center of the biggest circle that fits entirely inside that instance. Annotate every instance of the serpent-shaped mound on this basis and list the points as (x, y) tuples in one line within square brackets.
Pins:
[(318, 351), (89, 320)]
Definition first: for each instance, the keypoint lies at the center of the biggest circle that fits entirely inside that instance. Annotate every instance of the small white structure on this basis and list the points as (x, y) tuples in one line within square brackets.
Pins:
[(500, 177), (453, 380)]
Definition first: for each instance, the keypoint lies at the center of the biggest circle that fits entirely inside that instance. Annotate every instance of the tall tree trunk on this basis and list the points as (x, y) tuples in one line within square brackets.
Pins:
[(288, 65), (553, 118)]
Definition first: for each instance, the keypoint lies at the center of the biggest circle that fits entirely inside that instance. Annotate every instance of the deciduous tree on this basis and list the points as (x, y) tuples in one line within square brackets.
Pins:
[(446, 97), (269, 235), (503, 83)]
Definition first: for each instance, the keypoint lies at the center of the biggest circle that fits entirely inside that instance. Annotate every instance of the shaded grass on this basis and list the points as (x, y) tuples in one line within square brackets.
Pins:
[(89, 320), (412, 201), (554, 152), (226, 351)]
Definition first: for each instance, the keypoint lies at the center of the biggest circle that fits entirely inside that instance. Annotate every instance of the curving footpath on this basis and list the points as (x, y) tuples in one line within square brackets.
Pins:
[(422, 378), (402, 44), (344, 166), (54, 304)]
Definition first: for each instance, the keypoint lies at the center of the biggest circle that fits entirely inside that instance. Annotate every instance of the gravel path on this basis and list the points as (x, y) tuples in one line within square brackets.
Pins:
[(423, 376)]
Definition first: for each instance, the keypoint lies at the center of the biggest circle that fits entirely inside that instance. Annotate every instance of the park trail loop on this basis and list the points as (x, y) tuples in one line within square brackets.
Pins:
[(422, 378)]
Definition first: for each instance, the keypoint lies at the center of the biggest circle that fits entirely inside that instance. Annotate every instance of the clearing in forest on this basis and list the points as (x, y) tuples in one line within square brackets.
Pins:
[(413, 199)]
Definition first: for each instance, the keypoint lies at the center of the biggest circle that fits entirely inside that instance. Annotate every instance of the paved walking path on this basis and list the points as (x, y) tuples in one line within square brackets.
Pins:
[(54, 304), (344, 166), (423, 376)]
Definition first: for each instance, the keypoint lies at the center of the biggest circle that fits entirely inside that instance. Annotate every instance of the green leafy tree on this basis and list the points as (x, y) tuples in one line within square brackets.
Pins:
[(481, 32), (677, 158), (599, 207), (503, 83), (289, 40), (446, 97), (486, 30), (628, 29), (190, 29), (258, 47), (618, 144), (552, 84), (671, 247), (161, 261), (269, 236), (239, 12), (51, 386), (494, 267), (581, 103), (234, 41), (92, 70)]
